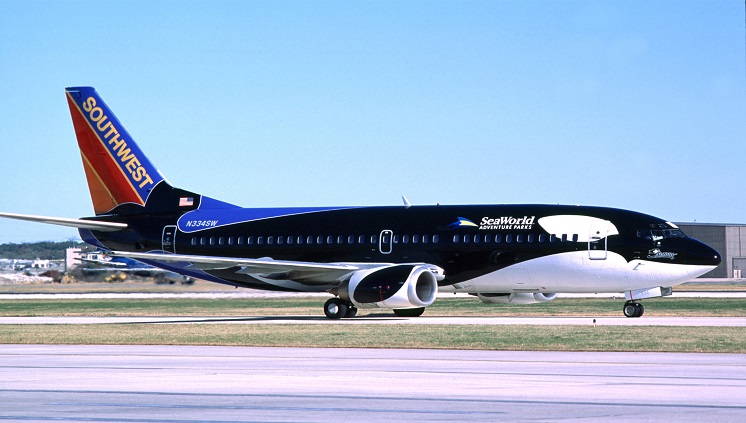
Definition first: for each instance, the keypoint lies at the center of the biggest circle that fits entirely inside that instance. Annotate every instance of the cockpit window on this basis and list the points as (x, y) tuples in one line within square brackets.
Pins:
[(658, 232)]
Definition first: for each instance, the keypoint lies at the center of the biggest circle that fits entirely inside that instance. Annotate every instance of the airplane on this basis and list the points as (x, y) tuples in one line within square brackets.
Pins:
[(390, 257)]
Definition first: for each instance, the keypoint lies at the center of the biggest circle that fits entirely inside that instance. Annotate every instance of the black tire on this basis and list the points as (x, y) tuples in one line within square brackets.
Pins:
[(334, 308), (630, 309), (409, 312), (351, 312), (640, 310)]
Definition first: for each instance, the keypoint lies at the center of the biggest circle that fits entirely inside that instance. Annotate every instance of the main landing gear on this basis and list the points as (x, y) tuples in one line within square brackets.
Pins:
[(633, 309), (336, 308)]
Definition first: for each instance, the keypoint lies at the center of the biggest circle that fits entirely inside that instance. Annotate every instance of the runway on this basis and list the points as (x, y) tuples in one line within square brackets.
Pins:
[(383, 320), (228, 384)]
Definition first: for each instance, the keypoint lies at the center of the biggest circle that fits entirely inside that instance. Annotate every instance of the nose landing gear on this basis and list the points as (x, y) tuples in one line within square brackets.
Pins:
[(633, 309)]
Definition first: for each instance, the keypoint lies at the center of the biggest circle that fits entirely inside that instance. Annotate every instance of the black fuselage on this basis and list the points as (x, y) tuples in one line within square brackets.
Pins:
[(465, 241)]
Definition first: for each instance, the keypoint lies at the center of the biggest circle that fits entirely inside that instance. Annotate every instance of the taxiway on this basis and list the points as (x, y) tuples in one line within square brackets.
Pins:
[(226, 384)]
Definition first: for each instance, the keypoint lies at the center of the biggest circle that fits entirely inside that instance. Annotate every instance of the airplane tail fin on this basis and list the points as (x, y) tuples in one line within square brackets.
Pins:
[(120, 177), (116, 169)]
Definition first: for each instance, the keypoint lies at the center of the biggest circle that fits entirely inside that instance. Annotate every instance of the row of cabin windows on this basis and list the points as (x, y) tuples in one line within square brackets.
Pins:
[(509, 238), (311, 240), (362, 239)]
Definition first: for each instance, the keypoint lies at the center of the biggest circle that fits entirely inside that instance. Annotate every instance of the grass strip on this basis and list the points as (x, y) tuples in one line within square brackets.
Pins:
[(534, 338), (591, 307)]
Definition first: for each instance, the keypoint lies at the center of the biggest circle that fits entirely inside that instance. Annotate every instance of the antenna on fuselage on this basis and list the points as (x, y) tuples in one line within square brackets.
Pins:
[(407, 204)]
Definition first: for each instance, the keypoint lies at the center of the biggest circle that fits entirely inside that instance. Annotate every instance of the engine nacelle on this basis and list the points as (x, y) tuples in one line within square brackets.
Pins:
[(517, 298), (395, 286)]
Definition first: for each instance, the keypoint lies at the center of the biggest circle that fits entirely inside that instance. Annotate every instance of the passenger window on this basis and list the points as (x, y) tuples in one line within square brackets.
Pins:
[(498, 238), (330, 239), (466, 238), (542, 237), (405, 239), (280, 240), (361, 239), (309, 240), (300, 240), (270, 240), (221, 240), (374, 239), (212, 240), (530, 237), (396, 239), (509, 238), (240, 240), (456, 238), (477, 238), (574, 237), (552, 237), (230, 240), (564, 237), (194, 240), (290, 240), (519, 238), (250, 240), (415, 239), (426, 239), (351, 239), (436, 239), (488, 238)]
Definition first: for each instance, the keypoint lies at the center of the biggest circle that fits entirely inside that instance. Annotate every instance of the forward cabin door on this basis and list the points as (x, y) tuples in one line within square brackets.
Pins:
[(386, 241), (169, 243), (598, 239)]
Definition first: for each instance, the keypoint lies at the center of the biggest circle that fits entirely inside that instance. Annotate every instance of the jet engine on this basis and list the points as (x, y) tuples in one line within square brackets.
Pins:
[(396, 286), (517, 298)]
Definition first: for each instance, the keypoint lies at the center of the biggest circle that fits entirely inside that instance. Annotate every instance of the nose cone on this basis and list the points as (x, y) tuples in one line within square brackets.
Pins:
[(698, 253), (709, 256)]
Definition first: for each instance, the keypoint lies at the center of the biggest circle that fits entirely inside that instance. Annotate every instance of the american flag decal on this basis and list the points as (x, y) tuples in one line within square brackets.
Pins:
[(186, 201)]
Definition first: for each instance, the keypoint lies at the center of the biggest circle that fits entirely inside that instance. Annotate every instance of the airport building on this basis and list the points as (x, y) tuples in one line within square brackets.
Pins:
[(728, 239)]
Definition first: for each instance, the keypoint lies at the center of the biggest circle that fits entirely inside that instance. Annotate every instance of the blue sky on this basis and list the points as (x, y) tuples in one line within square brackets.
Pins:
[(636, 105)]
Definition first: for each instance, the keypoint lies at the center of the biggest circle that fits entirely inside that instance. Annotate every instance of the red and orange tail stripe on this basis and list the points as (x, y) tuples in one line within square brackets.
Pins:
[(116, 169)]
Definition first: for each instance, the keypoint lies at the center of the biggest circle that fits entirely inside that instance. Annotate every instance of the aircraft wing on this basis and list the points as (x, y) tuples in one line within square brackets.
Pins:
[(265, 267)]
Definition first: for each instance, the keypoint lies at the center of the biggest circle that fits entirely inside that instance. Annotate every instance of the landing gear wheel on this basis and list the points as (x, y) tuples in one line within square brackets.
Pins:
[(335, 308), (351, 312), (640, 310), (409, 312), (633, 309)]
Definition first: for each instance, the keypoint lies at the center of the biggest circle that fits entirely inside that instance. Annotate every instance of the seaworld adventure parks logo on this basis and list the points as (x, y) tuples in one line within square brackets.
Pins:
[(497, 223), (507, 223)]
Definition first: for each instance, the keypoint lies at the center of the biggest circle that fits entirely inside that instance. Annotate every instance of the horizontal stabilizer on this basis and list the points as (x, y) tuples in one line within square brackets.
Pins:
[(93, 225)]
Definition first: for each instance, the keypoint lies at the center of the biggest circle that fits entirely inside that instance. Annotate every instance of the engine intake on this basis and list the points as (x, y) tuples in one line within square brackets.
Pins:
[(396, 286)]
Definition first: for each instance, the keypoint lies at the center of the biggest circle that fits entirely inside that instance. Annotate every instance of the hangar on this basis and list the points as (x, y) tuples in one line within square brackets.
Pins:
[(729, 240)]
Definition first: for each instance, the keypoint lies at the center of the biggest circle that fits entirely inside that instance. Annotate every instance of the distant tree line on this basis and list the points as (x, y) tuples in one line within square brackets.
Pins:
[(45, 250)]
